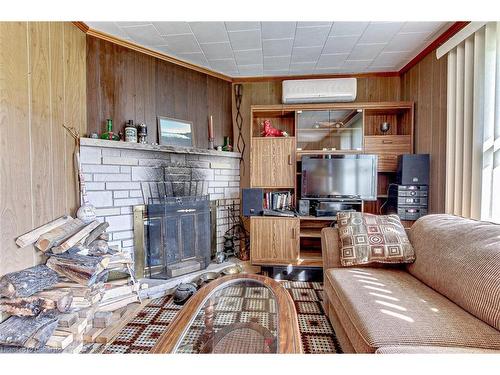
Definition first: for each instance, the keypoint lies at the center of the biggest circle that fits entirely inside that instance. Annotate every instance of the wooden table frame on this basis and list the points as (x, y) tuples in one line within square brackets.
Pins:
[(289, 341)]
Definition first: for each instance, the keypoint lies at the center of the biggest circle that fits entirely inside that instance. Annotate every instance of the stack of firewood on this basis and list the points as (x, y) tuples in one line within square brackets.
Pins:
[(68, 300)]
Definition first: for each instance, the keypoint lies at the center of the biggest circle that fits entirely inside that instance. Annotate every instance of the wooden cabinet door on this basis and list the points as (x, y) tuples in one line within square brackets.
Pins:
[(284, 162), (272, 162), (260, 163), (274, 240)]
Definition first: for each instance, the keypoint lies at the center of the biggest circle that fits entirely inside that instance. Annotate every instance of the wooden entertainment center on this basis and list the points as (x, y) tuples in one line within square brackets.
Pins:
[(318, 129)]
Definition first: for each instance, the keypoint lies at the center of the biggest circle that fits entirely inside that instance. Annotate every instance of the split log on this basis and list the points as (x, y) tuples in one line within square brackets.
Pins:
[(31, 237), (27, 282), (104, 236), (29, 332), (67, 320), (98, 248), (75, 238), (83, 269), (59, 341), (58, 235), (100, 229), (37, 303)]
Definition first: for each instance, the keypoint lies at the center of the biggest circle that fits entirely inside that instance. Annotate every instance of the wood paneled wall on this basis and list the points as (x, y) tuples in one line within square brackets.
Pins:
[(368, 89), (425, 84), (124, 84), (42, 86)]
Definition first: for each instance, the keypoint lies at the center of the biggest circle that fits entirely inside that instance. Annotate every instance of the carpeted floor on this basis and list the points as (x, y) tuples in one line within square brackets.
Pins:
[(318, 337)]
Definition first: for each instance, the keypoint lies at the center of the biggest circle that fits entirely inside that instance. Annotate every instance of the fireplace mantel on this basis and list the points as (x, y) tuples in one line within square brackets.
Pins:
[(91, 142)]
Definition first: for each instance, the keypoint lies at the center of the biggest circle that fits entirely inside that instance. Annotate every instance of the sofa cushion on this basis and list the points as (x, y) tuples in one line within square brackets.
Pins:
[(460, 258), (367, 238), (390, 307)]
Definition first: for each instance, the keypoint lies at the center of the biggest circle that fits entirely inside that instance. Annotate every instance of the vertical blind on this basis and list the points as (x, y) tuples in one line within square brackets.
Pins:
[(473, 126)]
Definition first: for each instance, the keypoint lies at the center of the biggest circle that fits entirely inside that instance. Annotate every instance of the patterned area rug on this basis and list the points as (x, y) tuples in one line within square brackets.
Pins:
[(318, 337)]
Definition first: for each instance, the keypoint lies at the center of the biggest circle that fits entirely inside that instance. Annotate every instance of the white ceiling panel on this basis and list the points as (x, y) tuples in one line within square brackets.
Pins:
[(406, 42), (239, 26), (348, 28), (145, 34), (215, 51), (306, 54), (311, 36), (209, 32), (332, 61), (277, 47), (276, 62), (198, 58), (247, 39), (182, 43), (366, 51), (282, 48), (340, 44), (278, 30), (380, 32), (170, 28), (249, 57)]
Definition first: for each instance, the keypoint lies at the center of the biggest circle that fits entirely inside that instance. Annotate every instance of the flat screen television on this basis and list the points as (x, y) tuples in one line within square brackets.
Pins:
[(339, 177)]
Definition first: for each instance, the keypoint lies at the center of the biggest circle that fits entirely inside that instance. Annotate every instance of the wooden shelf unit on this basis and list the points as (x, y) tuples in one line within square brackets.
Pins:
[(275, 165)]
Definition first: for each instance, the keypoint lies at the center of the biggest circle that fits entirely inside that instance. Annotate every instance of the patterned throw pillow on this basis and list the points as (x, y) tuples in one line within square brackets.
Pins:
[(367, 238)]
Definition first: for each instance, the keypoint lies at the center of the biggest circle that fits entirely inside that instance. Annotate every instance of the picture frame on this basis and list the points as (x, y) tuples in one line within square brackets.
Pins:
[(175, 132)]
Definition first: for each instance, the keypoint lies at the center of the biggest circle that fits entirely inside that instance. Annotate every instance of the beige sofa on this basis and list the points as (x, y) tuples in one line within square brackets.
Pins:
[(448, 301)]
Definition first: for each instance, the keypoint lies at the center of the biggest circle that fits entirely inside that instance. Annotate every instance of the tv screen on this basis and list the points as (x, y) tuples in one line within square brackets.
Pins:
[(339, 176)]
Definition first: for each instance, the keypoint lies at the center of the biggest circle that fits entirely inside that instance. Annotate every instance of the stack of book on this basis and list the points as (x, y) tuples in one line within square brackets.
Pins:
[(278, 200)]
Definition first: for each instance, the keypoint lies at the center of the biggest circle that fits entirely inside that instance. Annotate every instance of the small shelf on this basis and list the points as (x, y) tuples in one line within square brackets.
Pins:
[(319, 218), (310, 233), (328, 152)]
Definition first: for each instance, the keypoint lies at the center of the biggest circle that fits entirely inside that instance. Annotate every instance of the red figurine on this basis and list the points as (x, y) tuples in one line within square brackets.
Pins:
[(270, 131)]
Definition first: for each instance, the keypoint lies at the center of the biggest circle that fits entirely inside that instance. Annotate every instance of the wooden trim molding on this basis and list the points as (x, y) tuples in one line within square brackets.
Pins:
[(314, 76), (82, 26), (452, 30), (446, 35)]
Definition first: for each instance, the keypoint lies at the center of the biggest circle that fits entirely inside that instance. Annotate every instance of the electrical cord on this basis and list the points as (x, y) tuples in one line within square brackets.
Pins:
[(387, 199)]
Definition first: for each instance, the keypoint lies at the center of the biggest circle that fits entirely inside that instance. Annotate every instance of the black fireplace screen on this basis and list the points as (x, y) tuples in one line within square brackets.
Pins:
[(177, 235)]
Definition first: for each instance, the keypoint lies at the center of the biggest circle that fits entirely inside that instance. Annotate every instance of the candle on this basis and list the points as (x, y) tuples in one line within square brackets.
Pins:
[(211, 127)]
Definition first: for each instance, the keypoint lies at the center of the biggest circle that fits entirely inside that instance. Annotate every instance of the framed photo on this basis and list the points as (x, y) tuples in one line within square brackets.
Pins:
[(174, 132)]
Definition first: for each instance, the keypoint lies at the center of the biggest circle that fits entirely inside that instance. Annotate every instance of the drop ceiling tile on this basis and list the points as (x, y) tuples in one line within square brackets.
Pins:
[(209, 32), (276, 63), (238, 26), (406, 42), (164, 49), (195, 58), (380, 32), (135, 23), (390, 58), (145, 35), (306, 54), (249, 57), (248, 39), (340, 44), (169, 28), (366, 51), (110, 28), (311, 36), (276, 72), (214, 51), (314, 24), (332, 61), (277, 47), (329, 70), (249, 70), (183, 43), (357, 64), (430, 27), (224, 65), (348, 28), (278, 30), (303, 66)]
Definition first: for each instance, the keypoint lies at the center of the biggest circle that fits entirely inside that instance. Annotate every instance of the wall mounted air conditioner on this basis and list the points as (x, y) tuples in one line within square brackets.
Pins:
[(319, 90)]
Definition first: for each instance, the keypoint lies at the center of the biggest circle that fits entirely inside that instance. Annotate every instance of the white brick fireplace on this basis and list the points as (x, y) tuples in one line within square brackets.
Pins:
[(114, 172)]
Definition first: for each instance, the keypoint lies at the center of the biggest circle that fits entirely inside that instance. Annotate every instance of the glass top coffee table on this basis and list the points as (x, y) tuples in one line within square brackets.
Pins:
[(235, 314)]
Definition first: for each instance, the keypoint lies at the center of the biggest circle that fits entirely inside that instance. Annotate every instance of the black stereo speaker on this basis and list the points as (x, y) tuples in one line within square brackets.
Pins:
[(252, 201), (413, 169)]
